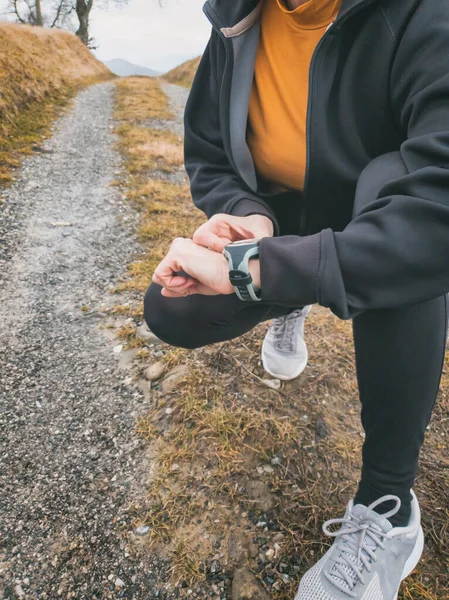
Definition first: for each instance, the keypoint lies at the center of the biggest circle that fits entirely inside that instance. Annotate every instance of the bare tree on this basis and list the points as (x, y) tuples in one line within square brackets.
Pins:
[(61, 13), (48, 13), (83, 8), (27, 11)]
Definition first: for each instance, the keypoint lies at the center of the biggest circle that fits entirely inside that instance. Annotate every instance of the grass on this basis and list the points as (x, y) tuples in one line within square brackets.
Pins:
[(40, 71), (234, 457), (165, 207), (184, 74)]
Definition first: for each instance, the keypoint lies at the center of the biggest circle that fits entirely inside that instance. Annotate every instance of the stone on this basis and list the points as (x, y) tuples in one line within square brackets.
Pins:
[(119, 583), (237, 548), (142, 530), (173, 378), (19, 591), (155, 371), (245, 586), (118, 349), (261, 494), (146, 335), (321, 429)]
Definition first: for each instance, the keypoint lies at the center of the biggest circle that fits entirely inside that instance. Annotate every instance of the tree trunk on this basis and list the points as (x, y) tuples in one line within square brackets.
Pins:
[(39, 20), (83, 9)]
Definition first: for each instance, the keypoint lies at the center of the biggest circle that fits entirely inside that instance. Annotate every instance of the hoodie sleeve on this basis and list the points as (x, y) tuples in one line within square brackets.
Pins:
[(215, 185), (395, 252)]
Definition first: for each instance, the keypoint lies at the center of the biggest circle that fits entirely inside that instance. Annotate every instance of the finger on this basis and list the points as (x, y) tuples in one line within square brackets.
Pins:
[(190, 283), (198, 289), (165, 274), (209, 239), (169, 280), (172, 294)]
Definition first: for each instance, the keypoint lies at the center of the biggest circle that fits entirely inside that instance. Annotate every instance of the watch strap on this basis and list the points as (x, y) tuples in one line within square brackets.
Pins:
[(239, 274)]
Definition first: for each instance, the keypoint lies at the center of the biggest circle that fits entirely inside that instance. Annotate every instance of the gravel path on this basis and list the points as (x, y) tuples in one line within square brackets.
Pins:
[(70, 463), (177, 96)]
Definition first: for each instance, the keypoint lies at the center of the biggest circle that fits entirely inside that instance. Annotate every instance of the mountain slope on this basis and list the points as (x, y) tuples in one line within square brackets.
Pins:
[(126, 69), (184, 74)]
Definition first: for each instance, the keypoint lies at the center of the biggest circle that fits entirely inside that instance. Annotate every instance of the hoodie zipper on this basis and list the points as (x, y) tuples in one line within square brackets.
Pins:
[(330, 31)]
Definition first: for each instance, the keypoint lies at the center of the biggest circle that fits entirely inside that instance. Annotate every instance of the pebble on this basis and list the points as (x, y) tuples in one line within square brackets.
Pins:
[(245, 586), (119, 583), (117, 349), (155, 371), (173, 378), (142, 530), (143, 333)]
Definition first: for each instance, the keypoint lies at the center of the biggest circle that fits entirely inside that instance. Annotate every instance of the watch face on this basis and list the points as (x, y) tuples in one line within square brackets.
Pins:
[(245, 242)]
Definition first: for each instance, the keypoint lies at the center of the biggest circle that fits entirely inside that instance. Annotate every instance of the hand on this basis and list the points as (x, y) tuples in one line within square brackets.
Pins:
[(208, 270), (223, 229)]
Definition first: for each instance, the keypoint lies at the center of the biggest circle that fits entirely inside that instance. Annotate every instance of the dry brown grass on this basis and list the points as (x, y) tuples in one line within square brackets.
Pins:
[(166, 209), (226, 430), (40, 69), (184, 74)]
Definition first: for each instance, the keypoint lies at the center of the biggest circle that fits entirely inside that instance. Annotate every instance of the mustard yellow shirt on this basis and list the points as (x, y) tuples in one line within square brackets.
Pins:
[(278, 104)]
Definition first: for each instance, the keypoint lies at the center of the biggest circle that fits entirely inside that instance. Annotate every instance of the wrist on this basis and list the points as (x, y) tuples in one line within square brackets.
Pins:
[(244, 271), (254, 270), (227, 285), (264, 225)]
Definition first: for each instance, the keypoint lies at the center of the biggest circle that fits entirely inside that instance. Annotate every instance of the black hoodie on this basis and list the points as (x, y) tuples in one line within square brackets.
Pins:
[(379, 83)]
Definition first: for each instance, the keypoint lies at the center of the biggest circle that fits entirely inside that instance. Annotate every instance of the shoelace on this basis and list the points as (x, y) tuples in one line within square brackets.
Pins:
[(283, 330), (358, 540)]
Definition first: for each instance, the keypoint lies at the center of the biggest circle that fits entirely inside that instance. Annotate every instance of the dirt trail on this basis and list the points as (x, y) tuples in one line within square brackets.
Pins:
[(70, 462)]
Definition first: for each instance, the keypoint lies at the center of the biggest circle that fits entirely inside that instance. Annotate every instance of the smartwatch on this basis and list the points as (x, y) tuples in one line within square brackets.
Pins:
[(238, 255)]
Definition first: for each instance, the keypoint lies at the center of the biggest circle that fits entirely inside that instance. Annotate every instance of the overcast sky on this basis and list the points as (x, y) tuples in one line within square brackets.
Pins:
[(146, 34), (143, 33)]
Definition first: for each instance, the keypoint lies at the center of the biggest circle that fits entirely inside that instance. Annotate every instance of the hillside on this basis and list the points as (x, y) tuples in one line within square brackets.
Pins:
[(123, 68), (39, 68), (184, 74)]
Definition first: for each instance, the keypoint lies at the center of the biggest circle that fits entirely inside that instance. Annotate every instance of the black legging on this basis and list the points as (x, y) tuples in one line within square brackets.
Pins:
[(399, 359), (399, 356)]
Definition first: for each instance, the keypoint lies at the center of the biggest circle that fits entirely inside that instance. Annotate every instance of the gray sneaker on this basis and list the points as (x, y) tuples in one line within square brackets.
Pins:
[(369, 558), (284, 351)]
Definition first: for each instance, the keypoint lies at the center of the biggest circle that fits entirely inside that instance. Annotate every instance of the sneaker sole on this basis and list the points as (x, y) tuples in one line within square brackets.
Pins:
[(413, 559), (297, 373)]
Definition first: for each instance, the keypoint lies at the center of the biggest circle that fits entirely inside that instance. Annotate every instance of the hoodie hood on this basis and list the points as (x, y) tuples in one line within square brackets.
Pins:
[(229, 14), (235, 17)]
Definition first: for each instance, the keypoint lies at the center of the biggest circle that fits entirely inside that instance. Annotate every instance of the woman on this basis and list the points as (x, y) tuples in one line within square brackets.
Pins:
[(318, 131)]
